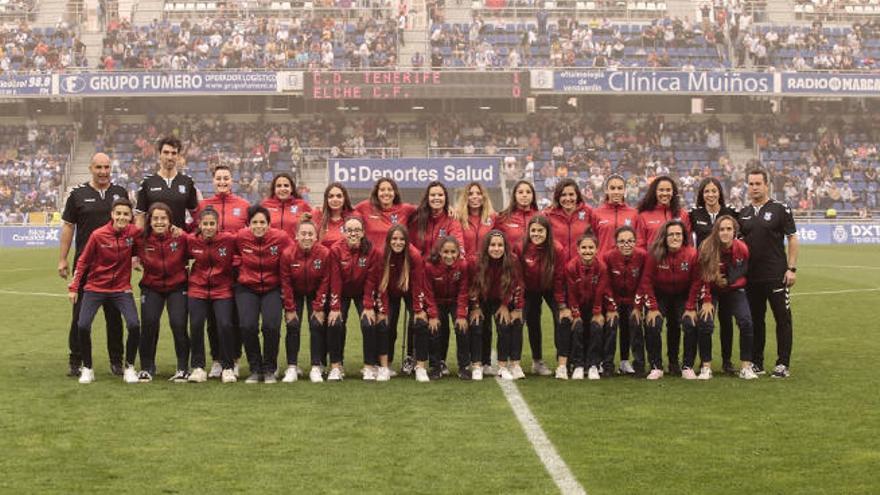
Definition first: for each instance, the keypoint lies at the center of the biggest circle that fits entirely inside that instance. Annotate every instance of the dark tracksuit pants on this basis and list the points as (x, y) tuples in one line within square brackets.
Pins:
[(589, 343), (468, 341), (375, 337), (532, 313), (124, 303), (779, 297), (152, 305), (317, 334), (733, 304), (725, 330), (251, 307), (233, 339), (671, 308), (394, 319), (632, 336), (510, 337), (199, 312), (114, 329)]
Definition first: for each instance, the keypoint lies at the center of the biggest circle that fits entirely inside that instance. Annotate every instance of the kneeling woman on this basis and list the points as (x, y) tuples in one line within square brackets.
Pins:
[(305, 281), (724, 261), (355, 268), (107, 259), (210, 293), (258, 293), (164, 258), (496, 292), (446, 286)]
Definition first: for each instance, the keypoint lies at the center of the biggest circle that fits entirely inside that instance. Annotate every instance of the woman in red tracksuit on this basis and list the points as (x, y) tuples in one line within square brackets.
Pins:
[(355, 267), (210, 293), (258, 293), (660, 204), (107, 259), (625, 265), (446, 289), (383, 210), (402, 279), (670, 285), (587, 281), (496, 293), (331, 218), (523, 206), (569, 216), (285, 205), (164, 261), (431, 221), (724, 262), (305, 281), (613, 213), (542, 264)]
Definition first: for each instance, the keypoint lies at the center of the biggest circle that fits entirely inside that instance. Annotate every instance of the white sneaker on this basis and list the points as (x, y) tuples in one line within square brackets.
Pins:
[(384, 374), (593, 373), (688, 374), (540, 369), (130, 375), (198, 375), (490, 370), (86, 375), (254, 378), (290, 375), (781, 371), (179, 376), (315, 375), (216, 370), (421, 374), (227, 376), (335, 375), (517, 372), (705, 373), (477, 373), (578, 373), (504, 373), (626, 368), (270, 378), (655, 374), (561, 372), (369, 374), (748, 373)]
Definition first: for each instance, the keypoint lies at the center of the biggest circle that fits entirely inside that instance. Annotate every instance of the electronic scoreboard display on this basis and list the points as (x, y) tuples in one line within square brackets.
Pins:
[(400, 85)]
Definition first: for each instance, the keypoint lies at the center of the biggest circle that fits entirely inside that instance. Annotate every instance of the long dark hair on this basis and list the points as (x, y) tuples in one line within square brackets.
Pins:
[(512, 206), (148, 227), (403, 283), (701, 203), (438, 246), (548, 262), (284, 175), (209, 211), (566, 182), (325, 209), (419, 221), (480, 285), (710, 252), (659, 245), (649, 200), (374, 194), (608, 181)]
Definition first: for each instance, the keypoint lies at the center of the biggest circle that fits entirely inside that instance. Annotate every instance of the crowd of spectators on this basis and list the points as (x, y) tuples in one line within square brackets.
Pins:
[(17, 8), (26, 48), (310, 42), (33, 160)]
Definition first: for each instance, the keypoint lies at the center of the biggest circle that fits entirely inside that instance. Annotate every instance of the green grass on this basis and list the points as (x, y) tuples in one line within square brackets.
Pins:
[(813, 433)]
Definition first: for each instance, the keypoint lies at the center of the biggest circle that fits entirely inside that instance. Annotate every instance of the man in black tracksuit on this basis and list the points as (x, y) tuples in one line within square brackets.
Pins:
[(86, 209), (765, 224)]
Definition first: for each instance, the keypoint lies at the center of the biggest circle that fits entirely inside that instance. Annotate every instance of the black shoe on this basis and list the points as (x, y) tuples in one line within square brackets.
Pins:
[(640, 373), (408, 366), (728, 368), (674, 369), (117, 369), (758, 369), (464, 374), (435, 373), (73, 369), (444, 369), (607, 371)]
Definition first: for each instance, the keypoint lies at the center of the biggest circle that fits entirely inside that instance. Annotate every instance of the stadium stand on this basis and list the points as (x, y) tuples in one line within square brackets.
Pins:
[(26, 48)]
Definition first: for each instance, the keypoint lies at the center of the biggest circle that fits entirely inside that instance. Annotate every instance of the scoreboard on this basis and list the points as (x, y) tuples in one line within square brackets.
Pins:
[(403, 85)]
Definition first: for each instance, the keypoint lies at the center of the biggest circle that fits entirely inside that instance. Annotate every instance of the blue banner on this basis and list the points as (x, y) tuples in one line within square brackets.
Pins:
[(830, 84), (30, 236), (24, 85), (651, 82), (144, 83), (415, 173), (839, 233)]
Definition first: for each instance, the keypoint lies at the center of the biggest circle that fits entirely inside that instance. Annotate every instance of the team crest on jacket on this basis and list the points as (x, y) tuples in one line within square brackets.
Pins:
[(129, 241), (768, 216), (181, 189), (582, 215), (595, 280), (628, 222), (316, 264), (115, 197), (685, 266), (173, 246), (487, 222), (273, 250), (442, 232), (456, 276), (362, 262), (236, 212), (394, 218), (222, 252), (294, 208), (635, 272)]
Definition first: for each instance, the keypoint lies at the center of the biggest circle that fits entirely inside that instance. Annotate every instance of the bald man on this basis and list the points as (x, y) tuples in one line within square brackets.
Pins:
[(86, 209)]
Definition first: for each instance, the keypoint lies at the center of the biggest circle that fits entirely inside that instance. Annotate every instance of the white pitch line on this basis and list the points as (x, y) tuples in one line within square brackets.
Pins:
[(42, 294), (829, 292), (556, 467), (850, 267)]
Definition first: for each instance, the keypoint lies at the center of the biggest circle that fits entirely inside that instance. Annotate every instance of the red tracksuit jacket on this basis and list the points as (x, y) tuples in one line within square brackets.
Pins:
[(532, 265), (513, 298), (353, 274), (107, 259), (475, 233), (335, 229), (447, 285), (649, 222), (438, 226), (677, 273), (514, 225), (624, 274), (232, 211), (568, 228), (210, 276), (734, 266), (416, 281), (260, 258), (164, 259), (609, 217), (379, 222), (305, 272), (285, 214), (587, 287)]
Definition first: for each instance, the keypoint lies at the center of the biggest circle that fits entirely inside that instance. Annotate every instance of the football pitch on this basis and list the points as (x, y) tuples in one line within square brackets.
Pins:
[(816, 432)]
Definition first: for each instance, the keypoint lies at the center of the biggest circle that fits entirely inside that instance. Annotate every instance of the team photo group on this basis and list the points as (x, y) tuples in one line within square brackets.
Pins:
[(613, 277)]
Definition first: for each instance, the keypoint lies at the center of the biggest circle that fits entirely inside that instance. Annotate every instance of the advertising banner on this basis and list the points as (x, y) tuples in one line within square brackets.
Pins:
[(414, 173)]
